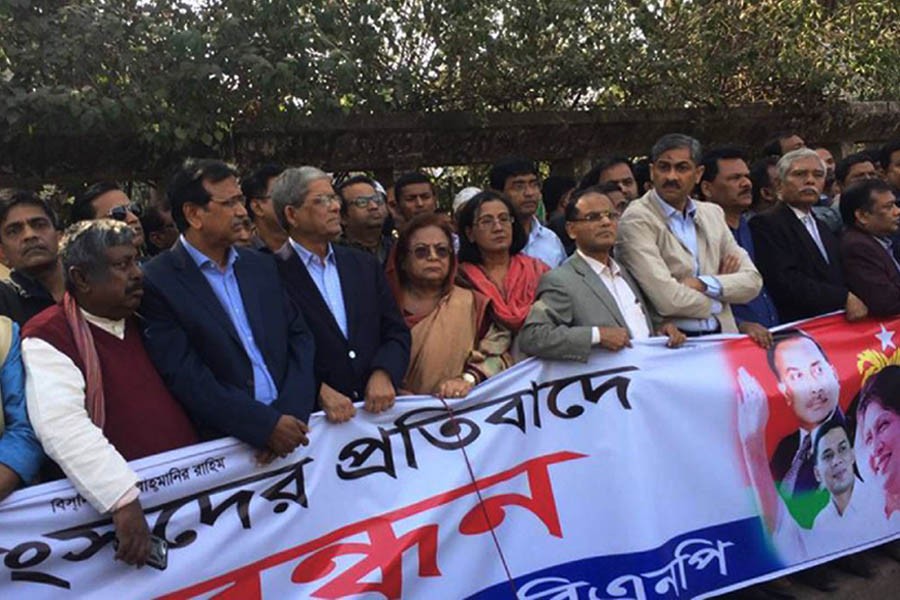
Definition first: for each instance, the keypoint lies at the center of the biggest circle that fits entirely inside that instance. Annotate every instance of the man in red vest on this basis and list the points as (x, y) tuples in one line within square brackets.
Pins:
[(94, 398)]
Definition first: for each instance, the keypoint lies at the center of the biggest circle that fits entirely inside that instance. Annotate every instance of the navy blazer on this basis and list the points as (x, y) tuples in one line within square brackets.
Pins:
[(378, 336), (196, 349), (799, 280)]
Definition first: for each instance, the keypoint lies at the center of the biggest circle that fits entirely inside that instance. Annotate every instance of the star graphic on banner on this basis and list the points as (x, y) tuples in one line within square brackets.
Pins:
[(886, 338)]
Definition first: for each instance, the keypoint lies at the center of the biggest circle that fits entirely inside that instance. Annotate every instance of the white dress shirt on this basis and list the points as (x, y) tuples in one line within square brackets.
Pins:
[(628, 303), (809, 221), (54, 392)]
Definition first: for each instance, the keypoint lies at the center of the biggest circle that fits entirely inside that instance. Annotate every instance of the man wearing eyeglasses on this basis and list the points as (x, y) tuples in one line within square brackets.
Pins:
[(362, 342), (106, 200), (518, 179), (269, 236), (226, 341), (590, 300), (680, 251), (363, 213)]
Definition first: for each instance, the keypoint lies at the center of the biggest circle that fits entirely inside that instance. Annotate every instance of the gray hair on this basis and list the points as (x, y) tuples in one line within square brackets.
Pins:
[(84, 245), (787, 161), (290, 188), (671, 141)]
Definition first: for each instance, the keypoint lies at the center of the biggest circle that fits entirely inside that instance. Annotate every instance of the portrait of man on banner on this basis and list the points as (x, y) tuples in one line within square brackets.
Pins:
[(812, 494)]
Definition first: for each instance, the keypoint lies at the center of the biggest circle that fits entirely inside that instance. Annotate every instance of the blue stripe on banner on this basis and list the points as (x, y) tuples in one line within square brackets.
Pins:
[(695, 563)]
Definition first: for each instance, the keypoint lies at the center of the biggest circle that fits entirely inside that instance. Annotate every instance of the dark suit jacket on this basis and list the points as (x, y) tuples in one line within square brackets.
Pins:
[(799, 280), (870, 273), (784, 456), (198, 352), (378, 336)]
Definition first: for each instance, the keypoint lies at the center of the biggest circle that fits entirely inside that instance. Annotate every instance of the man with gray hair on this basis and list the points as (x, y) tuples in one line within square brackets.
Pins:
[(230, 346), (94, 398), (680, 251), (362, 342), (797, 255)]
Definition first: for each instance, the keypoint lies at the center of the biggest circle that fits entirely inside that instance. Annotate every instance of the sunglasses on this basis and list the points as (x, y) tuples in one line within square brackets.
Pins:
[(424, 251), (120, 213)]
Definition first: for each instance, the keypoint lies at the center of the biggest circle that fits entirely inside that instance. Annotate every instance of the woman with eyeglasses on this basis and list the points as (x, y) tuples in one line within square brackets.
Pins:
[(455, 342), (491, 258)]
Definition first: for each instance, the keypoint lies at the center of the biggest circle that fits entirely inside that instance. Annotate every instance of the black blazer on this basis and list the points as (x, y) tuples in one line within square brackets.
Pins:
[(870, 273), (801, 283), (378, 336), (784, 453), (196, 349)]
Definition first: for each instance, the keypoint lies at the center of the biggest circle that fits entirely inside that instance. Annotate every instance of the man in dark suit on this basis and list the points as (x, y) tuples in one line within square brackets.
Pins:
[(218, 326), (870, 268), (589, 300), (362, 341), (799, 257), (811, 387)]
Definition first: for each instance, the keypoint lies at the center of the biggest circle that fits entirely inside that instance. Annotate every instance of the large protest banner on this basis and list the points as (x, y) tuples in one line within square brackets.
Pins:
[(649, 473)]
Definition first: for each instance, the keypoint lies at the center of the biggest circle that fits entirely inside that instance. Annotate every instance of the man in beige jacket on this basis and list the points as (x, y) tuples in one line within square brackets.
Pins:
[(681, 251)]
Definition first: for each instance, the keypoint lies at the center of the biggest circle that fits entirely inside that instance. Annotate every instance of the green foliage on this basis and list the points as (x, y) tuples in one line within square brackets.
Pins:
[(180, 77)]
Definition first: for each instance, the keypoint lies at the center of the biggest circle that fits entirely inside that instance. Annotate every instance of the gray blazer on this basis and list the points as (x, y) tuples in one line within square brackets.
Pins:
[(571, 299)]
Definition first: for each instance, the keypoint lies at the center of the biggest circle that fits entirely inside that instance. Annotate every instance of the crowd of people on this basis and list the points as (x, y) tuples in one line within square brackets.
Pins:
[(242, 304)]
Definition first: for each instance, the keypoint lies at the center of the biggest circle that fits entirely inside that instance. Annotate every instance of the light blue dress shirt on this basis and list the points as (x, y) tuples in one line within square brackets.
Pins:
[(325, 275), (19, 448), (683, 227), (225, 286), (544, 245)]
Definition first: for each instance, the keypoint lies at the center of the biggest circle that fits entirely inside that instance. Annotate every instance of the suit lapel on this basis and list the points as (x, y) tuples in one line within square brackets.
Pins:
[(194, 282), (806, 239), (251, 297), (348, 290), (592, 280), (301, 285)]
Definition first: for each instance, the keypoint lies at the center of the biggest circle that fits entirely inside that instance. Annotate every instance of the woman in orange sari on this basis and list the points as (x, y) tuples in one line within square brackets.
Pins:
[(455, 342), (491, 258)]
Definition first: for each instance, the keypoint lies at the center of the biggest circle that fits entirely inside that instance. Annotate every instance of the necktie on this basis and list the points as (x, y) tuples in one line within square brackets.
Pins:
[(810, 222), (790, 478)]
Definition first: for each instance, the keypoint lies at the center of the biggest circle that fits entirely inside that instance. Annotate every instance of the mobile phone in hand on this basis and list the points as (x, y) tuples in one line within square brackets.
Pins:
[(159, 552)]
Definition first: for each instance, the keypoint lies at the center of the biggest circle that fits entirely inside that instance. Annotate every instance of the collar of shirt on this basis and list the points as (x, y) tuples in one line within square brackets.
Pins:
[(537, 228), (612, 269), (307, 257), (203, 261), (886, 243), (113, 327), (690, 208), (800, 214), (29, 286)]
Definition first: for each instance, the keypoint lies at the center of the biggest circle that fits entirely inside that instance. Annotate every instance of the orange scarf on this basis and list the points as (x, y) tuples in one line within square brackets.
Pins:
[(521, 284), (93, 376)]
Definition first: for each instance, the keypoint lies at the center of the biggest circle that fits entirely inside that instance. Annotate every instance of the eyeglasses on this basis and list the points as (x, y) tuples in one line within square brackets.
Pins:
[(595, 217), (488, 222), (325, 200), (424, 251), (120, 213), (363, 201), (231, 203)]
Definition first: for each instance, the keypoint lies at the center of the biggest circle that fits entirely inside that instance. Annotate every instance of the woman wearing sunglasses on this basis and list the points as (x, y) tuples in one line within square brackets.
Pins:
[(455, 343), (491, 258)]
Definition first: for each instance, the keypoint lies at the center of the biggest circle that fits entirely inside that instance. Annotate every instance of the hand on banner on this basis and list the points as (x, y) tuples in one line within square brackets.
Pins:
[(753, 407), (730, 264), (855, 308), (380, 392), (132, 533), (614, 338), (757, 333), (454, 388), (675, 335), (338, 407), (289, 433)]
